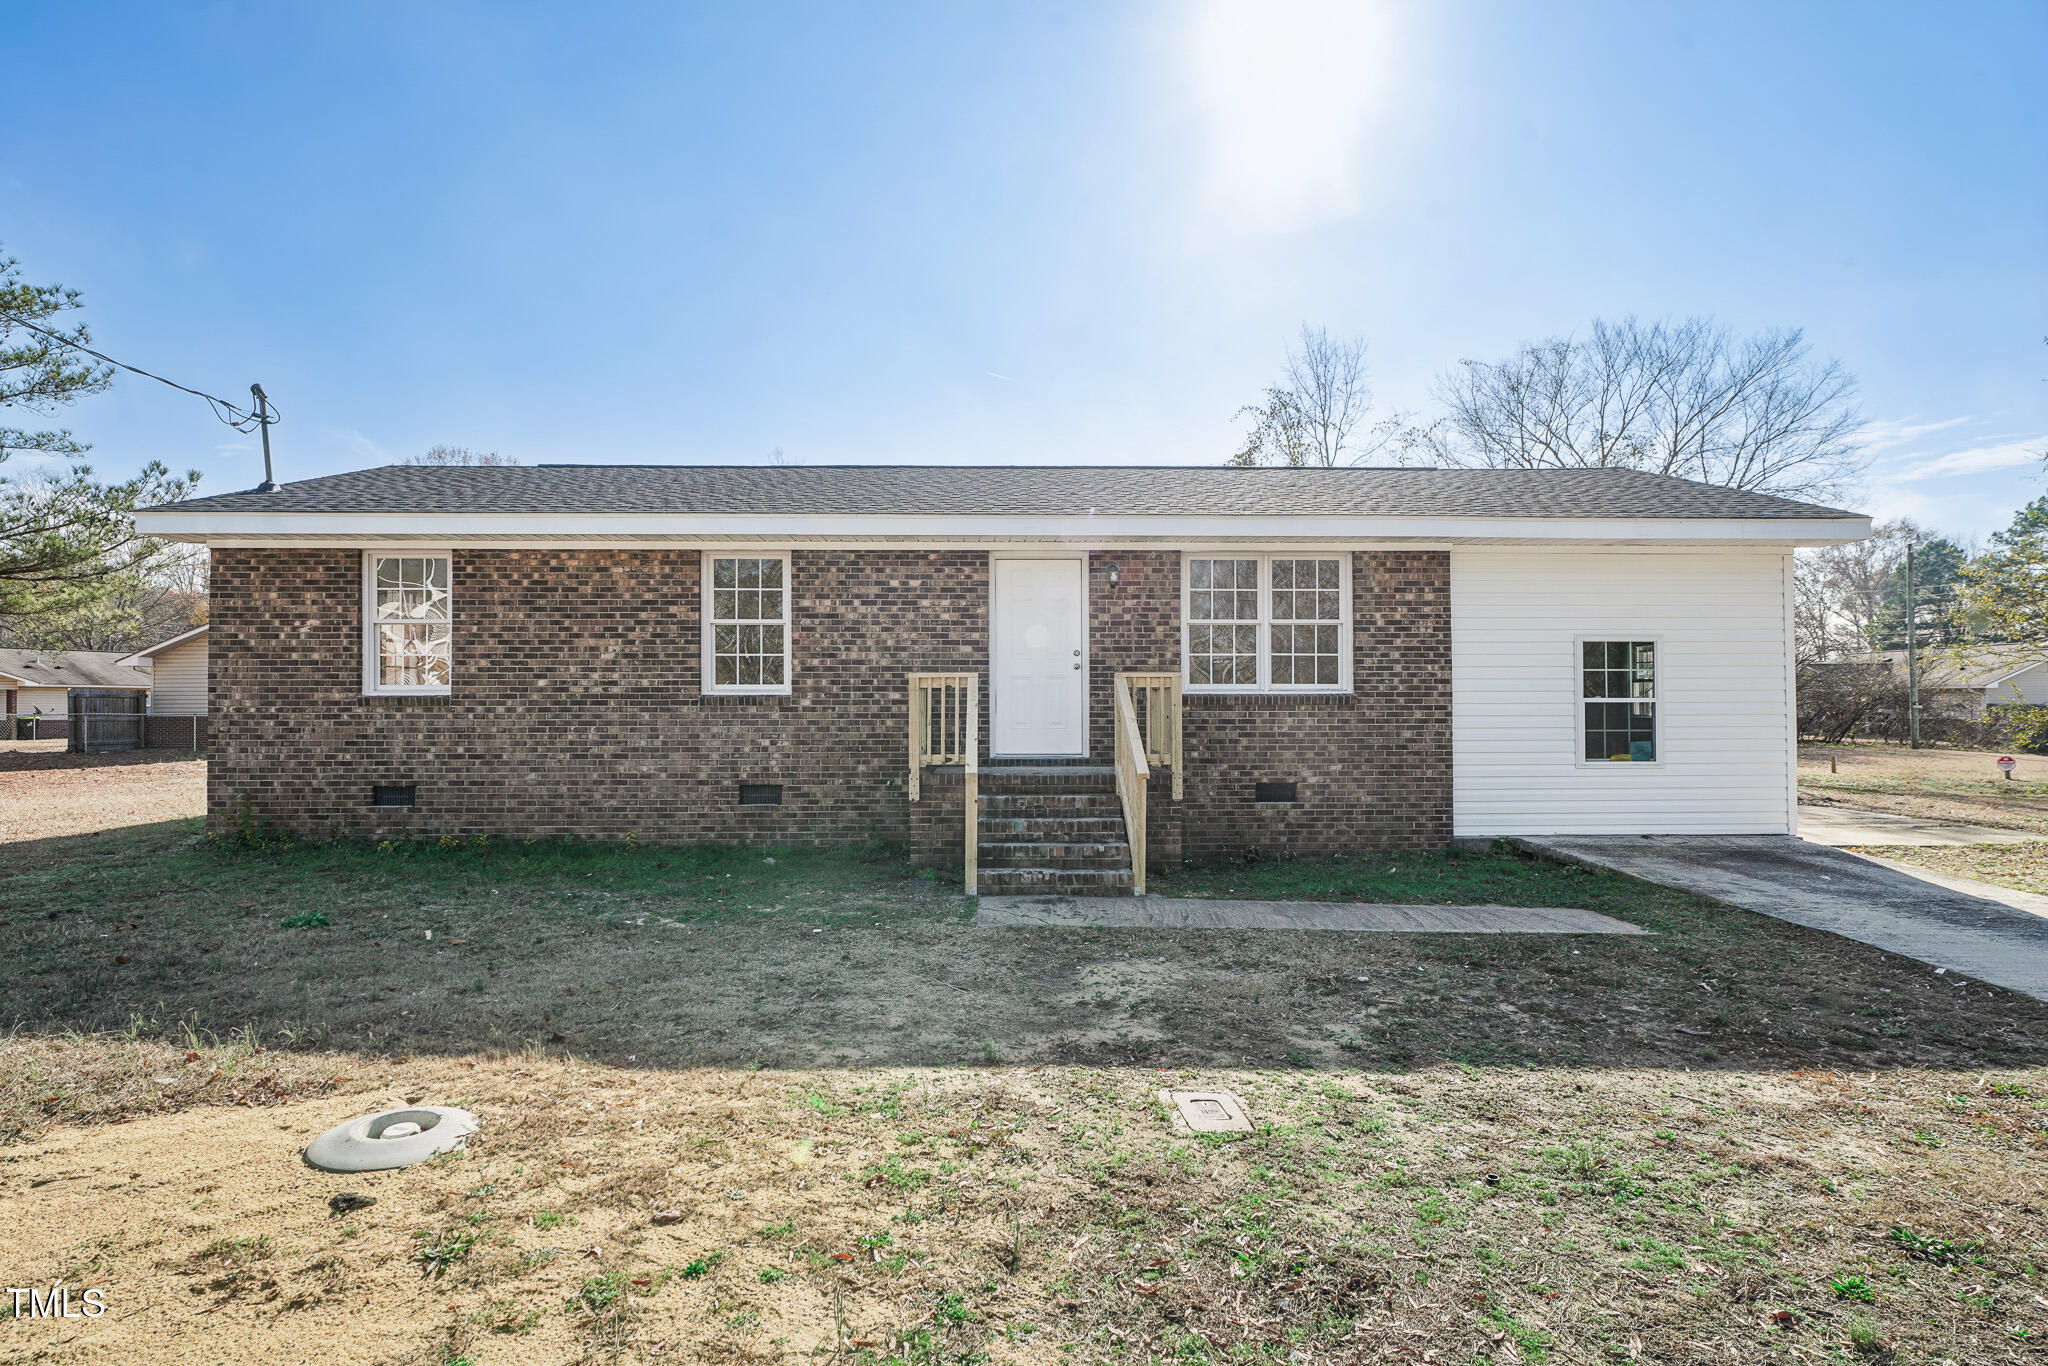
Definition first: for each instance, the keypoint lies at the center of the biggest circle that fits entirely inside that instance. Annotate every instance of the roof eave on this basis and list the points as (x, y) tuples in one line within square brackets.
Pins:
[(132, 661), (218, 527)]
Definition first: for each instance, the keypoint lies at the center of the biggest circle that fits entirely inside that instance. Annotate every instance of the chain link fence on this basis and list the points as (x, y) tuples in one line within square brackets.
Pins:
[(100, 732)]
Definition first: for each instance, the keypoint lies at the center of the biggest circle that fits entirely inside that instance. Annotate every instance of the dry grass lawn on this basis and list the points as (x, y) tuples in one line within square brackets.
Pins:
[(2023, 866), (794, 1106), (1942, 784), (1004, 1214), (46, 793)]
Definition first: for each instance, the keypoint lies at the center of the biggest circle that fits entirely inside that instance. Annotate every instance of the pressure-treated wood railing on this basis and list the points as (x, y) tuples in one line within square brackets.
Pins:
[(1156, 702), (1133, 776), (945, 721), (1155, 697)]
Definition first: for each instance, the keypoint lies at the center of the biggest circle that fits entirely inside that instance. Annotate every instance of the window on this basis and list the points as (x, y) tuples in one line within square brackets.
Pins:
[(1278, 623), (1223, 623), (1619, 685), (407, 618), (746, 639)]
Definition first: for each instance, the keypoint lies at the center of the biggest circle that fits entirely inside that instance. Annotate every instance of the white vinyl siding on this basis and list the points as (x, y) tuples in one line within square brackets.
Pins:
[(46, 701), (1519, 617), (178, 686), (2028, 687)]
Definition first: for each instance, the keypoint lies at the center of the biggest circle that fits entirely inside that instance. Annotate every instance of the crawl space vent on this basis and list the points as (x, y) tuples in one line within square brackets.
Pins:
[(1274, 793), (760, 794), (391, 796)]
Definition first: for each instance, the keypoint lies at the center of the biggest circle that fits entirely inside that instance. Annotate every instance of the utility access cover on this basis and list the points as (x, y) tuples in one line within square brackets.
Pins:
[(1208, 1112)]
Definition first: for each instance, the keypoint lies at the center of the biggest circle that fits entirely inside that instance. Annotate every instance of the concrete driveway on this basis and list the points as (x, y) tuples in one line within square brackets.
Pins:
[(1994, 934), (1841, 826)]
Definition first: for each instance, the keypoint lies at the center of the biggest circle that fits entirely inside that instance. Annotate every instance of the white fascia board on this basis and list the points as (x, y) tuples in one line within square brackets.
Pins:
[(143, 656), (222, 527)]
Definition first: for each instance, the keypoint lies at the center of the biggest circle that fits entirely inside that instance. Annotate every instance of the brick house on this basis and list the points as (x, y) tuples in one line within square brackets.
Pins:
[(1196, 662)]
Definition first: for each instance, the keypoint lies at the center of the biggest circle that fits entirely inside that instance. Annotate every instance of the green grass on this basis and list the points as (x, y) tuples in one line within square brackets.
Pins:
[(793, 957), (1453, 877), (297, 875), (436, 1254)]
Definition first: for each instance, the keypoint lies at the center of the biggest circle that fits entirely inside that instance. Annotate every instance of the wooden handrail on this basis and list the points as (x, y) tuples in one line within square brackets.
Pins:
[(1133, 775), (1159, 703), (949, 733)]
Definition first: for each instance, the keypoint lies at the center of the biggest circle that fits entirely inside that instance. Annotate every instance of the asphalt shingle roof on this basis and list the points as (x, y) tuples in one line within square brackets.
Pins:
[(1007, 490), (72, 669)]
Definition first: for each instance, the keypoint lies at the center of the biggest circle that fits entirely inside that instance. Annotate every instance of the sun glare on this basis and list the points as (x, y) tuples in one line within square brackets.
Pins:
[(1292, 94)]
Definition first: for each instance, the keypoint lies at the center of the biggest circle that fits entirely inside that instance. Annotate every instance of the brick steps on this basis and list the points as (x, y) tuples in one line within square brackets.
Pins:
[(1055, 881), (1045, 831), (1031, 854), (1061, 829)]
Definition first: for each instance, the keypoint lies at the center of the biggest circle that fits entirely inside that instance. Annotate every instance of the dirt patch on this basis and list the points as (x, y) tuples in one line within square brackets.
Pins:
[(2020, 866), (47, 793), (1013, 1214), (1939, 784)]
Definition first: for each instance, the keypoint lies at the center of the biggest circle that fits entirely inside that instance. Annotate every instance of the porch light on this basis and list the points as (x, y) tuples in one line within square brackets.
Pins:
[(1116, 574)]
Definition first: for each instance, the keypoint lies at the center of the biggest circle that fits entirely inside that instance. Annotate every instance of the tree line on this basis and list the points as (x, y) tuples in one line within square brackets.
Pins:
[(1688, 398), (1856, 599)]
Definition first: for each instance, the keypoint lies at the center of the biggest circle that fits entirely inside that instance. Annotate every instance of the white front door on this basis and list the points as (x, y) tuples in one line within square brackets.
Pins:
[(1040, 700)]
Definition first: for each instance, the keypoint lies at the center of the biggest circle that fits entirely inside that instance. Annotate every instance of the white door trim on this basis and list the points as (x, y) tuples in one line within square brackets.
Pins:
[(995, 692)]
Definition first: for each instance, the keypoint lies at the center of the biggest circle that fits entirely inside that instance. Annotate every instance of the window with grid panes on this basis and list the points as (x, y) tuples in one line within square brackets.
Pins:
[(409, 620), (1266, 622), (1307, 610), (748, 612), (1223, 623), (1619, 688)]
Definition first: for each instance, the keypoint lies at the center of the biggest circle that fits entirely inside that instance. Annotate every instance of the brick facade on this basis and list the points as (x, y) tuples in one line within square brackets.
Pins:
[(576, 707), (1372, 769)]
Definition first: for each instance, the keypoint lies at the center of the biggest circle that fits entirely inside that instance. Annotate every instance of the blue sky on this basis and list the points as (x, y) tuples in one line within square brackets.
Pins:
[(1018, 233)]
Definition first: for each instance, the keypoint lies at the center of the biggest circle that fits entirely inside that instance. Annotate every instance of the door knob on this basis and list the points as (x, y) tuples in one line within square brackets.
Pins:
[(1077, 666)]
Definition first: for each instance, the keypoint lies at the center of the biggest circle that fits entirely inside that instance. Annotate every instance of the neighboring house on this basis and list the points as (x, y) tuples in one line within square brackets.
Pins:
[(1982, 676), (38, 683), (1366, 659), (177, 702), (1973, 678)]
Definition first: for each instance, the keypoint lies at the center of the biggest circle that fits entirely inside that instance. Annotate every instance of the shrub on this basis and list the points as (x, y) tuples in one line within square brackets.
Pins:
[(2023, 727)]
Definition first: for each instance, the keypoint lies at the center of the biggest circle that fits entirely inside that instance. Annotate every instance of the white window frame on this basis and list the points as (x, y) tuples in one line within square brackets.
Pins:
[(1579, 698), (373, 686), (707, 628), (1343, 685)]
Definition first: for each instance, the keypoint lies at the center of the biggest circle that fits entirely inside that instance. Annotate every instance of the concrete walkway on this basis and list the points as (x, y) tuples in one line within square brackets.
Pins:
[(1841, 826), (1189, 913), (1991, 933)]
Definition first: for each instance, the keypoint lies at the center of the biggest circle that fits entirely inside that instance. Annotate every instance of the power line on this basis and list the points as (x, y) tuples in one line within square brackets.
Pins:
[(241, 419)]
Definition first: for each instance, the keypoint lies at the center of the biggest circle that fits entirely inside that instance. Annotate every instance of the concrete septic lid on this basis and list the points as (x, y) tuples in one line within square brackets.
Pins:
[(1207, 1112), (390, 1138)]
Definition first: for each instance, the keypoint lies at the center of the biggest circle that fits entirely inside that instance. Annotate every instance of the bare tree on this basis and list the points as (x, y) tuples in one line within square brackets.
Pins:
[(459, 455), (1843, 601), (1682, 398), (1311, 416)]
